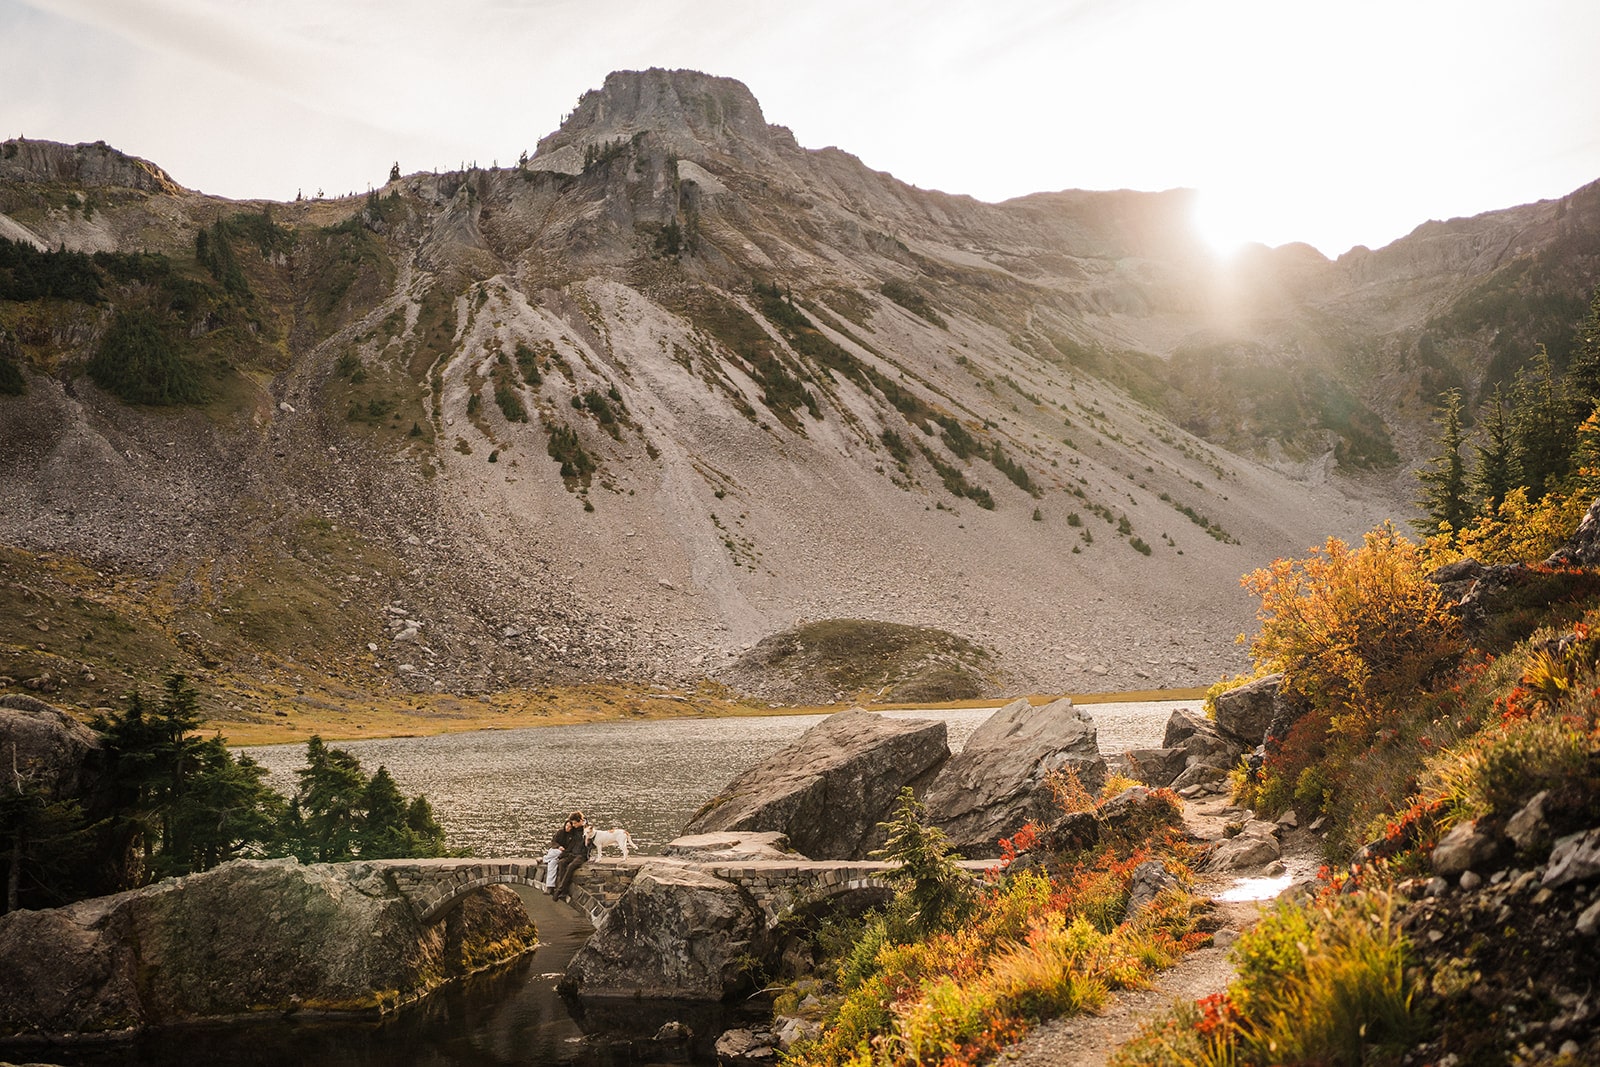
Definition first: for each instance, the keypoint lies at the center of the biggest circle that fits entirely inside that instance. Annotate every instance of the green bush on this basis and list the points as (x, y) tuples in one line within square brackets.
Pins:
[(11, 380), (528, 363), (138, 362), (912, 299), (577, 466), (510, 401)]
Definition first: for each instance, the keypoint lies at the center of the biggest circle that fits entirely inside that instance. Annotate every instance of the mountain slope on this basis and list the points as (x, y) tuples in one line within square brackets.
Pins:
[(675, 384)]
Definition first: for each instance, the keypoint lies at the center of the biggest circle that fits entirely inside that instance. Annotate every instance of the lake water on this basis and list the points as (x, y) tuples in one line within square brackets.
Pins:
[(503, 793)]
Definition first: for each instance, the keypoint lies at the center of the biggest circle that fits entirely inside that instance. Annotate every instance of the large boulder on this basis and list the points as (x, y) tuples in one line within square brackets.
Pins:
[(676, 932), (998, 782), (1192, 752), (1255, 845), (1246, 713), (830, 789), (1575, 858), (1583, 547), (1456, 579), (250, 936), (53, 751), (1183, 724)]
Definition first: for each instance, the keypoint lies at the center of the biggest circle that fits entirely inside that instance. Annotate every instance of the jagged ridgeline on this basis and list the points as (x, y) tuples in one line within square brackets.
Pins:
[(671, 384)]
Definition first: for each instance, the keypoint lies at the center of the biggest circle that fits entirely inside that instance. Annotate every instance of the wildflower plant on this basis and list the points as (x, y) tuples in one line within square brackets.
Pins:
[(1031, 942), (1320, 982)]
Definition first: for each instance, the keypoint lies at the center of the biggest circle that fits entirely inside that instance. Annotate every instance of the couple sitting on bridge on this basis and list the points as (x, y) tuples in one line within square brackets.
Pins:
[(569, 850)]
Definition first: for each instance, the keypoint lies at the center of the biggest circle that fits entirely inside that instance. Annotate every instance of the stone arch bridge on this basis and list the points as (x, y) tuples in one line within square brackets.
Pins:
[(433, 886)]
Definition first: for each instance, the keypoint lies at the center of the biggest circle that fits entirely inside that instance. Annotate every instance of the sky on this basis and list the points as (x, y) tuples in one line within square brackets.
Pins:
[(1333, 123)]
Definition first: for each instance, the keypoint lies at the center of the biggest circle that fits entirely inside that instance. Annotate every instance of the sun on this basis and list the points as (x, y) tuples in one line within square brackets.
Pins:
[(1226, 219)]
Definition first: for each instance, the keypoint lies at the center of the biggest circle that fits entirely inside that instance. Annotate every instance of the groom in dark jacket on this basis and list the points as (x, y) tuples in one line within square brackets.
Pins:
[(574, 846)]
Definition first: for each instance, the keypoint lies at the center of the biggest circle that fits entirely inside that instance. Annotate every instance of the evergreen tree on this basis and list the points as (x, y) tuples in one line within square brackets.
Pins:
[(180, 803), (1444, 480), (427, 836), (176, 753), (328, 804), (384, 833), (935, 890), (139, 362), (1542, 424), (1498, 468), (131, 740), (226, 810), (1583, 369)]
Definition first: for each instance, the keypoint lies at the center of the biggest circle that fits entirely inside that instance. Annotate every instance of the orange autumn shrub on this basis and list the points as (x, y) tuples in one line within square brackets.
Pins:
[(1351, 627)]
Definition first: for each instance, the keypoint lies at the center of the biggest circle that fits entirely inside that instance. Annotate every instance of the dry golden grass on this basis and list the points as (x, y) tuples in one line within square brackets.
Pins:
[(99, 635), (350, 715)]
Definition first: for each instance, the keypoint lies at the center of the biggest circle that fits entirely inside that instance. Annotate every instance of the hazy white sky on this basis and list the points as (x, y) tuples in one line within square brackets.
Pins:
[(1333, 123)]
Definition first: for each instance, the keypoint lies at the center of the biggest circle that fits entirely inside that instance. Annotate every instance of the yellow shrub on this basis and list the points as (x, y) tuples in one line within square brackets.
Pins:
[(1520, 532), (1351, 626)]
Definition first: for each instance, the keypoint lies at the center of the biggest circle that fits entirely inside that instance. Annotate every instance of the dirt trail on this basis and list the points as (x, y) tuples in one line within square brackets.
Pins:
[(1089, 1040)]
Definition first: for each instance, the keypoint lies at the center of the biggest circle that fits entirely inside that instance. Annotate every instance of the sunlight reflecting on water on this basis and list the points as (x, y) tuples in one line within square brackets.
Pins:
[(1256, 888)]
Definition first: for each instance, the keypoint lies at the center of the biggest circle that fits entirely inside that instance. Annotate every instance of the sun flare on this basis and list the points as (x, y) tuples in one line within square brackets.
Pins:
[(1226, 220)]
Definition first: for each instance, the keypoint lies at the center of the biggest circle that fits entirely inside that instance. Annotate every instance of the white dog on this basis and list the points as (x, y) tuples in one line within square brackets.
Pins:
[(617, 838)]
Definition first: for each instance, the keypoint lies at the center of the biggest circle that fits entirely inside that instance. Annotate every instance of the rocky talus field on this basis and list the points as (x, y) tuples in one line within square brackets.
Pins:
[(672, 396)]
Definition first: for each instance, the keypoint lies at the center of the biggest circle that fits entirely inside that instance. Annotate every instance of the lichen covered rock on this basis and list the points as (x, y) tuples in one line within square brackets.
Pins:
[(249, 936), (54, 751), (998, 782), (830, 789), (676, 932)]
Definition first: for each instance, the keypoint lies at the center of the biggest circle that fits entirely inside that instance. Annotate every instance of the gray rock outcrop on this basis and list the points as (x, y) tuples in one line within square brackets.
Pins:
[(1575, 858), (731, 847), (1582, 549), (830, 789), (1192, 752), (1149, 879), (1468, 846), (676, 932), (1246, 713), (96, 165), (1530, 826), (1255, 845), (998, 781), (1456, 579), (54, 752), (250, 936)]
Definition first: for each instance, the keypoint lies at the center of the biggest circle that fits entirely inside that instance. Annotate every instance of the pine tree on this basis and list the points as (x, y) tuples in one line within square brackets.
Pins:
[(1499, 470), (384, 833), (1542, 424), (225, 810), (936, 892), (181, 803), (427, 836), (1583, 370), (1444, 480), (327, 807)]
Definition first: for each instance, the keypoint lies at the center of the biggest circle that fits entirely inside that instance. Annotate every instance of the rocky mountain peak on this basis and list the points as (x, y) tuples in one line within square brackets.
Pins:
[(91, 165), (689, 111)]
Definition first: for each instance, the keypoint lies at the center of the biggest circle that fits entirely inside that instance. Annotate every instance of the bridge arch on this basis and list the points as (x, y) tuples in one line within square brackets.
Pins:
[(433, 887)]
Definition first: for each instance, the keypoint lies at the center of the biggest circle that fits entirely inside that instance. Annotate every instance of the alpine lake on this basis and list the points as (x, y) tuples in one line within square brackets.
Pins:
[(505, 793)]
